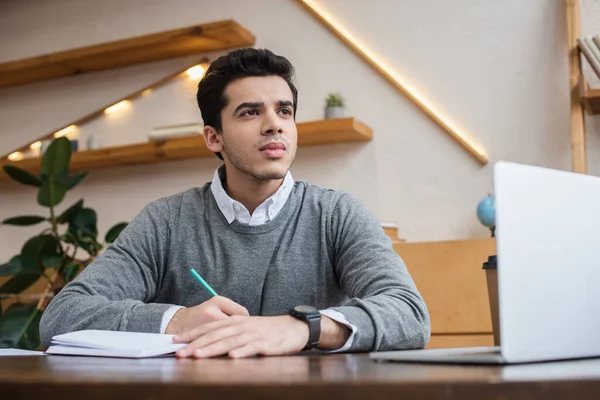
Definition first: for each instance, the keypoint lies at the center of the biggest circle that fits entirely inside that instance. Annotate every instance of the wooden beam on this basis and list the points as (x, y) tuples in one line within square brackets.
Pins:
[(394, 80), (215, 36), (578, 152)]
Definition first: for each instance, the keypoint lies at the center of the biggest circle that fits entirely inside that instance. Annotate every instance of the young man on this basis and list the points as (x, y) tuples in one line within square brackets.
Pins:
[(296, 266)]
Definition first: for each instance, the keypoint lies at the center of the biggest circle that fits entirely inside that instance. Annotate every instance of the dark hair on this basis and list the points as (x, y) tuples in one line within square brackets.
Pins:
[(235, 65)]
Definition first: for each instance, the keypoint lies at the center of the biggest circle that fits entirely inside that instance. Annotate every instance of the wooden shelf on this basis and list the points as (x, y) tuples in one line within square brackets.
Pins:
[(309, 134), (197, 39)]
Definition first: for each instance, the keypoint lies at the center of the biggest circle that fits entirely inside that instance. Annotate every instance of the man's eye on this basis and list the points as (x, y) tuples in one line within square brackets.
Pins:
[(250, 112), (286, 111)]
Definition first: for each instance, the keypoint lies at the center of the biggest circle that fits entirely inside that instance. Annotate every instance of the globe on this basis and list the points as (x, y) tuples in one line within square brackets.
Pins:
[(486, 211)]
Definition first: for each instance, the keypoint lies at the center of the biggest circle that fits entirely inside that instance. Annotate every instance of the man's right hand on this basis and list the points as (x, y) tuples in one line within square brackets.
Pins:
[(215, 309)]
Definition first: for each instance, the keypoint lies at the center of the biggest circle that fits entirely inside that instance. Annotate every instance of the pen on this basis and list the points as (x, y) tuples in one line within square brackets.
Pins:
[(203, 282)]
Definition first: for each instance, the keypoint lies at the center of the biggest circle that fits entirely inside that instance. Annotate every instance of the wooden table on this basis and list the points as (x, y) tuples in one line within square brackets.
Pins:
[(333, 377)]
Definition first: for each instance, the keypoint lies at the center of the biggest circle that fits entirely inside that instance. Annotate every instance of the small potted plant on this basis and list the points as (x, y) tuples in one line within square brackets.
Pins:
[(334, 107)]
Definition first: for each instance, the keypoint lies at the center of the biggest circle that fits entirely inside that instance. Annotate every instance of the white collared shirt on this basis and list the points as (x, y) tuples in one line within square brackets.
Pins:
[(267, 210), (234, 210)]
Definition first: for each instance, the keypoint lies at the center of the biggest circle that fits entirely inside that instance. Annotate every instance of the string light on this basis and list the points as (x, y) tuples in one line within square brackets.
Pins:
[(65, 131), (196, 72), (120, 106), (400, 83), (16, 156)]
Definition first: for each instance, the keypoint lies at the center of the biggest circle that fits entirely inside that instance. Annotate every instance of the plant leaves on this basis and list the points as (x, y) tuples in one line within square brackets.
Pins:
[(55, 162), (35, 250), (18, 283), (12, 323), (51, 193), (84, 223), (24, 220), (114, 232), (22, 176), (70, 212), (51, 260), (12, 267), (74, 180), (89, 244), (70, 272), (31, 338)]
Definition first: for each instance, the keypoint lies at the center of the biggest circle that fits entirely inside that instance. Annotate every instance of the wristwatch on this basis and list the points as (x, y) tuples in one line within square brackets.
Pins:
[(312, 317)]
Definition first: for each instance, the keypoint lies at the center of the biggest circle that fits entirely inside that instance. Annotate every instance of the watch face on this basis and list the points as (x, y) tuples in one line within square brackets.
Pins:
[(305, 309)]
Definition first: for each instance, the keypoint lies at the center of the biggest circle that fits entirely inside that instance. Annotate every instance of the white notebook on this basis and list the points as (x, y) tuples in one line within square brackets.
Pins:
[(114, 344)]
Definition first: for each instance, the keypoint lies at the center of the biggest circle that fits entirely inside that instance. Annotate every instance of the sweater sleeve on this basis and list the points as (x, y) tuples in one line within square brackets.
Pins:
[(384, 303), (114, 291)]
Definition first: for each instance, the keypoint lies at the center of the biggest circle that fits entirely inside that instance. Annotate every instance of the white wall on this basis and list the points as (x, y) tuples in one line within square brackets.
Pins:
[(498, 69)]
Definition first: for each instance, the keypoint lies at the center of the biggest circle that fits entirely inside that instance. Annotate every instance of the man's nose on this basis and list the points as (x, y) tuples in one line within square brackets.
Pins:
[(272, 124)]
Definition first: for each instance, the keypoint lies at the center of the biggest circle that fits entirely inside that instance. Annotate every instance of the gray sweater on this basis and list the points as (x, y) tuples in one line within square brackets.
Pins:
[(323, 249)]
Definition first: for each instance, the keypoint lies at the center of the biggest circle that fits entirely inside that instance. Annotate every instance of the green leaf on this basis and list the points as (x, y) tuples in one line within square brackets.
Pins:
[(31, 337), (55, 163), (89, 244), (22, 176), (70, 272), (70, 212), (35, 250), (18, 283), (114, 232), (12, 267), (51, 260), (24, 220), (51, 193), (84, 223), (74, 180), (13, 322)]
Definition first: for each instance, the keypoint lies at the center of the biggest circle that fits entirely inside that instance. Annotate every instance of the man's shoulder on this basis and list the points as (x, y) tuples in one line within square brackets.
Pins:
[(324, 197), (180, 200)]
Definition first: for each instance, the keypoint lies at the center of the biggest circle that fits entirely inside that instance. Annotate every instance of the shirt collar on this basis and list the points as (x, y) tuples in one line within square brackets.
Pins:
[(274, 203)]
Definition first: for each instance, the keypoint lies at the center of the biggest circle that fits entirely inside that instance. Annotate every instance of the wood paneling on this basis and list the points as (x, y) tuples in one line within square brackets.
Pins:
[(447, 341), (452, 282)]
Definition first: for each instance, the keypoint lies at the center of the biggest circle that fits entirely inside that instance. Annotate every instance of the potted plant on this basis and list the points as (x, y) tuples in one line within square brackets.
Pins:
[(334, 106), (53, 254)]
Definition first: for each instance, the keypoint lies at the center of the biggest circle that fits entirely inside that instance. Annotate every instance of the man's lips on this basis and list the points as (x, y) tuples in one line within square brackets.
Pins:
[(273, 150), (273, 146)]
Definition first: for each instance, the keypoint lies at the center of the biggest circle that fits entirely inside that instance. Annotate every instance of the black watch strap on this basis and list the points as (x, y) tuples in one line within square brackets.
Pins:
[(312, 317), (314, 332)]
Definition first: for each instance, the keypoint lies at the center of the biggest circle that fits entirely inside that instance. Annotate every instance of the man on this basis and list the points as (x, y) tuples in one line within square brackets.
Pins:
[(296, 266)]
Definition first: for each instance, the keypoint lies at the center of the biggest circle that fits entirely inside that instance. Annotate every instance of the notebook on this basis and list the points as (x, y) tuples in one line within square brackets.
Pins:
[(100, 343)]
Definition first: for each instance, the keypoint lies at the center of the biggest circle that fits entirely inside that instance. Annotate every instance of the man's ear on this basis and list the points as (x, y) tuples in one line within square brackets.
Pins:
[(212, 139)]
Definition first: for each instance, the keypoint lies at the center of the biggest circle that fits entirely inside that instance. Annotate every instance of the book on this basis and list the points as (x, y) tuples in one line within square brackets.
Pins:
[(99, 343), (174, 131), (18, 352), (584, 46)]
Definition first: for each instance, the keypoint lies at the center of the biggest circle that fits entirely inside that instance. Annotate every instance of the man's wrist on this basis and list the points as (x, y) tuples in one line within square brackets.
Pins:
[(333, 334), (173, 327)]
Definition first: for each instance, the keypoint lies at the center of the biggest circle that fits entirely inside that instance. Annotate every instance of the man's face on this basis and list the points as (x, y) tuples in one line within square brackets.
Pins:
[(259, 134)]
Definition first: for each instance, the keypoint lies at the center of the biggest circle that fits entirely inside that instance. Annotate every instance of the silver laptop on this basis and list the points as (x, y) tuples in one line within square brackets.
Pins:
[(548, 244)]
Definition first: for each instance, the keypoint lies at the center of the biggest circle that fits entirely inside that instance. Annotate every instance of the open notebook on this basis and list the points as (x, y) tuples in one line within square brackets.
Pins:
[(113, 344)]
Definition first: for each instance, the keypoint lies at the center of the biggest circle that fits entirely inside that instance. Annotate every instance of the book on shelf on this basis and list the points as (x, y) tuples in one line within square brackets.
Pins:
[(586, 48), (176, 131)]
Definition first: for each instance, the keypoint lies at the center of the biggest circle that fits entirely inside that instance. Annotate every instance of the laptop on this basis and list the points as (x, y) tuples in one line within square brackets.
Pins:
[(548, 245)]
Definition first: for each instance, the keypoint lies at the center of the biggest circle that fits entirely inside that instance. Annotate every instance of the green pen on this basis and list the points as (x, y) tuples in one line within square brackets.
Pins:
[(203, 282)]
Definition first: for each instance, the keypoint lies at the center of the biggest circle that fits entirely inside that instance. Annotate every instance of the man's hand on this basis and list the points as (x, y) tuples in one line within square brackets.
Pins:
[(216, 309), (244, 337)]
